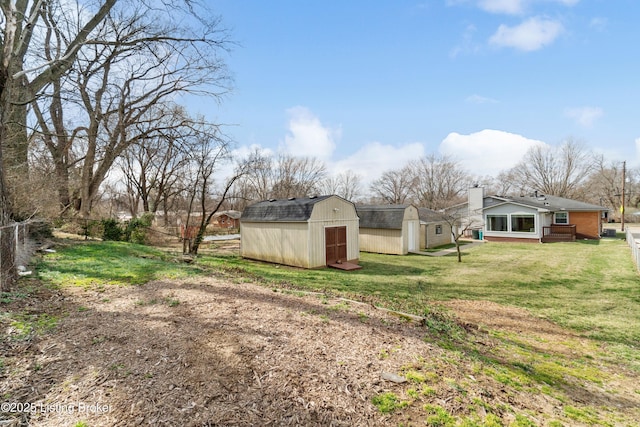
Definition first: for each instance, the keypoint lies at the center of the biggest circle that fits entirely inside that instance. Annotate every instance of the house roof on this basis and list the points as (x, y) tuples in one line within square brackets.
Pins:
[(381, 216), (231, 214), (548, 203), (286, 210), (429, 215)]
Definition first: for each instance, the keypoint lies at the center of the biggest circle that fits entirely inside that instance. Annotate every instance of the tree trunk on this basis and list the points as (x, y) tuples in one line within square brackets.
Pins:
[(8, 272)]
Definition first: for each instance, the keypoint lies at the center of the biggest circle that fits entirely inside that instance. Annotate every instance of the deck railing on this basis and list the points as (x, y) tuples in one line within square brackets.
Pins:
[(559, 233)]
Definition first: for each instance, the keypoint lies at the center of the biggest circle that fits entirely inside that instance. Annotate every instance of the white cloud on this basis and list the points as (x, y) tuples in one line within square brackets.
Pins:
[(307, 137), (584, 116), (599, 24), (487, 152), (511, 7), (371, 160), (467, 45), (477, 99), (532, 34)]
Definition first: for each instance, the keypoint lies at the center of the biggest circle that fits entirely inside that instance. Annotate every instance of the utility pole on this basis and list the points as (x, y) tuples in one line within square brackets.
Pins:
[(624, 171)]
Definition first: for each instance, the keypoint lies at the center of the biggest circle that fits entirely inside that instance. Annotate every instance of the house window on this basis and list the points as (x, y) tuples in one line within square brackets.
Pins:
[(438, 229), (497, 222), (561, 218), (523, 223)]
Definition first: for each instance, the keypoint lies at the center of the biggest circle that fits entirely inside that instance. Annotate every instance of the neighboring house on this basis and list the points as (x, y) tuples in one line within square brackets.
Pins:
[(226, 219), (389, 229), (434, 230), (308, 232), (538, 217)]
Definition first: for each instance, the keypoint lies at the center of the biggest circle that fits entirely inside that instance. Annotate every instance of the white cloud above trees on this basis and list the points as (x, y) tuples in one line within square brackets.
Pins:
[(584, 116), (308, 137), (487, 152), (532, 34)]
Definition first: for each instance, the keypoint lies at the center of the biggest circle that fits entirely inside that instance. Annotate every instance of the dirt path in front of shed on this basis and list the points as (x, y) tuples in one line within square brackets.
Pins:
[(211, 352)]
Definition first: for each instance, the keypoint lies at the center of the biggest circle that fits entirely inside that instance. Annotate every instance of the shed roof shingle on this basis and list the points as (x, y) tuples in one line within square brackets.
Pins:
[(287, 210), (381, 216)]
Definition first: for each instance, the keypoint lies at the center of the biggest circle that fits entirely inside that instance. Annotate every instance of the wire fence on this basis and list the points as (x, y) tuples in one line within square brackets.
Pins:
[(633, 239), (16, 249)]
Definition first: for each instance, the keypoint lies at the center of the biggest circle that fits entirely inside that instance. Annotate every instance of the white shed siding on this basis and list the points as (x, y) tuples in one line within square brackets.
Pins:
[(282, 243), (429, 238), (301, 244), (381, 240)]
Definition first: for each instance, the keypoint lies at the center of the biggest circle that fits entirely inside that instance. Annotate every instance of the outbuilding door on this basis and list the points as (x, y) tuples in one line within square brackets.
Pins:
[(336, 244), (411, 230)]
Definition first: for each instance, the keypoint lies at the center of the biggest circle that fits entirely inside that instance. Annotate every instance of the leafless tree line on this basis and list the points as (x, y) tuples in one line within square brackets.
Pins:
[(568, 170), (90, 93)]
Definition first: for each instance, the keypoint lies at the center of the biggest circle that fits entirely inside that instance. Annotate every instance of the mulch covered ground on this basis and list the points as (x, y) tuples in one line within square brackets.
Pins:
[(224, 352)]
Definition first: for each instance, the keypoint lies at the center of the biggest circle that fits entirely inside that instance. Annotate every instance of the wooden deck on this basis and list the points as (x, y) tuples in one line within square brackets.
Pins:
[(559, 233)]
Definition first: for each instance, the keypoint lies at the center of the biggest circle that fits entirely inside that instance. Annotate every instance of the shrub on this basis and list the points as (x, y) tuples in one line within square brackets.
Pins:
[(137, 228), (111, 229)]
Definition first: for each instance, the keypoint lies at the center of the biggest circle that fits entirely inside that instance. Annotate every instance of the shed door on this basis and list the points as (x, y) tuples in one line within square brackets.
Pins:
[(336, 244), (411, 230)]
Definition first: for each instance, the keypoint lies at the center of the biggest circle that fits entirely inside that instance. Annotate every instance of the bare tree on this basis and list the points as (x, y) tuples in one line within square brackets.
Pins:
[(18, 85), (345, 184), (280, 177), (296, 176), (438, 181), (559, 171), (394, 186), (153, 168), (19, 42), (459, 222), (210, 154), (605, 185), (122, 83)]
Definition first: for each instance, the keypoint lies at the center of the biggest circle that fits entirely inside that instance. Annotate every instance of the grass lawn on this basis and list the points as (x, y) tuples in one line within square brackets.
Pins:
[(109, 263), (590, 286)]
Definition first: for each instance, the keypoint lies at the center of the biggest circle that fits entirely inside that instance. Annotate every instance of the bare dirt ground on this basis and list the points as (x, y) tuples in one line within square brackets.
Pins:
[(224, 352)]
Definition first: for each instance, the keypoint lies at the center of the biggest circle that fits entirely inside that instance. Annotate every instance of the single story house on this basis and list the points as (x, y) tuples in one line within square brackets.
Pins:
[(389, 229), (536, 217), (434, 230), (226, 219), (308, 232)]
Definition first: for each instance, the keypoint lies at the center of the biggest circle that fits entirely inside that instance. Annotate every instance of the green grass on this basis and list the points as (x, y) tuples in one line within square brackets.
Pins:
[(590, 286), (109, 263), (388, 402)]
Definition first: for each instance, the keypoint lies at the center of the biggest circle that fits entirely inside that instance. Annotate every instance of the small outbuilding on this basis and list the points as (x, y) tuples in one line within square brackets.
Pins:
[(226, 219), (389, 229), (309, 232), (434, 230)]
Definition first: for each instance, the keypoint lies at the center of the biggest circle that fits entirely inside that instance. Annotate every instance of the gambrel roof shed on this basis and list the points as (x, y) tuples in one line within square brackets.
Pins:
[(308, 232), (286, 210), (381, 216), (389, 229)]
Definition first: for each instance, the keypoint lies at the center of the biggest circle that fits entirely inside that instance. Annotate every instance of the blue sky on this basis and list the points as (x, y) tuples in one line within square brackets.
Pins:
[(368, 85)]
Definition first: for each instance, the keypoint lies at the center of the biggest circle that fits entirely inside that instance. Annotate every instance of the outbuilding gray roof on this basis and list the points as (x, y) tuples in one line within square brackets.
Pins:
[(381, 216), (286, 210), (429, 215)]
